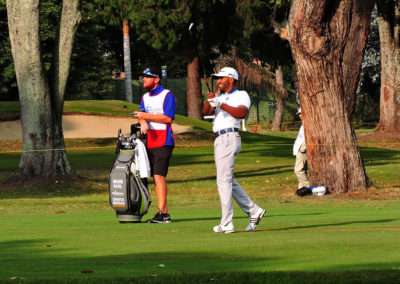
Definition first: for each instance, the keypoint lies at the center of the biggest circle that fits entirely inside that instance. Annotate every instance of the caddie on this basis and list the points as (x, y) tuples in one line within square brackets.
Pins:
[(229, 108), (157, 112)]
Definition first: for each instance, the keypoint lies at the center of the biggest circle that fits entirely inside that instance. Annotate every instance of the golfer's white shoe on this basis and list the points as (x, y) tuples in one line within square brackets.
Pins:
[(255, 219), (224, 229)]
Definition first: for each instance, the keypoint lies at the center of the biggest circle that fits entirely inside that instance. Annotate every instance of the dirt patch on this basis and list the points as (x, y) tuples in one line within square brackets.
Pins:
[(380, 139)]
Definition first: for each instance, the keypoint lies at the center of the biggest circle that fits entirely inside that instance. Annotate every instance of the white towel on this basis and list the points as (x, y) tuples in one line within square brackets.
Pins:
[(142, 161), (299, 140)]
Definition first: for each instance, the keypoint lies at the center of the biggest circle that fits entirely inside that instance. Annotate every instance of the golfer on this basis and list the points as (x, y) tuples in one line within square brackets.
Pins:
[(229, 107), (157, 112)]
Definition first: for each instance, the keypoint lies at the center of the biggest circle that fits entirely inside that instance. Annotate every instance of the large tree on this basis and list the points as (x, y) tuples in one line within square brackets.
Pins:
[(41, 93), (321, 34), (389, 34)]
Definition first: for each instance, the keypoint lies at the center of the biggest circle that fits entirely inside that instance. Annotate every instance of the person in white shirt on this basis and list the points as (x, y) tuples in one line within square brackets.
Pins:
[(229, 108), (300, 167)]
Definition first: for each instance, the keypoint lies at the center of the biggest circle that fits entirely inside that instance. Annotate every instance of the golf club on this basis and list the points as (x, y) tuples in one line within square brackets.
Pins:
[(206, 80)]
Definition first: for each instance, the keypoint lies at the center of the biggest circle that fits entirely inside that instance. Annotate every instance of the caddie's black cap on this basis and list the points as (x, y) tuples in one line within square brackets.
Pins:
[(152, 72)]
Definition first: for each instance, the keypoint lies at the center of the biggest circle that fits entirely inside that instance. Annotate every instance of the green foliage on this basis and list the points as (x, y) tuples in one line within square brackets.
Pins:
[(49, 19), (160, 23), (8, 85), (263, 20), (92, 61), (94, 56), (113, 11), (49, 16)]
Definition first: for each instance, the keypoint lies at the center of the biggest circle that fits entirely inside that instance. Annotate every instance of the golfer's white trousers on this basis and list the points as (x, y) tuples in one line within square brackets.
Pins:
[(226, 147)]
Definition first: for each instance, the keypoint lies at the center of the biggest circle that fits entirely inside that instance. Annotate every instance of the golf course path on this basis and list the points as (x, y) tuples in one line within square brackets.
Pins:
[(83, 126)]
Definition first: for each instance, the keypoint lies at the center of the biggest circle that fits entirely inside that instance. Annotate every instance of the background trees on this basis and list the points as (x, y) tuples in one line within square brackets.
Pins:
[(195, 31), (329, 43), (389, 33), (266, 34), (116, 12), (97, 52), (366, 112), (8, 85)]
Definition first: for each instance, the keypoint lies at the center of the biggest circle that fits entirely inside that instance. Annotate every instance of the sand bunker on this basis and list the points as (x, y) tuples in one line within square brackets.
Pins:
[(83, 126)]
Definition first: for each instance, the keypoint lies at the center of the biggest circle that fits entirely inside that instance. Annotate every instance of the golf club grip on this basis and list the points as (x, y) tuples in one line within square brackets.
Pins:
[(208, 87)]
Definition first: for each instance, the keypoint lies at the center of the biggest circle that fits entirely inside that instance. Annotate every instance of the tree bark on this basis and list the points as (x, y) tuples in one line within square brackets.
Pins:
[(389, 34), (41, 111), (281, 93), (194, 98), (319, 31), (354, 50), (127, 61)]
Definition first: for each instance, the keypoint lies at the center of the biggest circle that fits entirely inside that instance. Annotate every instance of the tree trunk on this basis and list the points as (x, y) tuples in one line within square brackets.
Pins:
[(68, 26), (389, 34), (281, 93), (319, 31), (354, 50), (194, 98), (43, 144), (127, 61)]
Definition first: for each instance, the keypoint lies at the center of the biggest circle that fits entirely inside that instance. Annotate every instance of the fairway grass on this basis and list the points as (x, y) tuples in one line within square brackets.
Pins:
[(64, 231), (61, 242)]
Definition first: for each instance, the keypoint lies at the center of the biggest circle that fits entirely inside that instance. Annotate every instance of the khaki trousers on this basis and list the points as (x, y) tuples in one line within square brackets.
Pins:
[(226, 147), (300, 169)]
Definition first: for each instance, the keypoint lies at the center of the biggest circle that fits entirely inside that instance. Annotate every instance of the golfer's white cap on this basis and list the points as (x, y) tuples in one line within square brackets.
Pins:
[(227, 72)]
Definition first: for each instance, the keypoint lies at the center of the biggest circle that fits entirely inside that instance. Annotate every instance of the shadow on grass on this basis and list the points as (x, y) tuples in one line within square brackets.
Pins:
[(37, 258), (375, 156), (267, 171), (386, 276), (332, 225), (205, 219), (34, 261)]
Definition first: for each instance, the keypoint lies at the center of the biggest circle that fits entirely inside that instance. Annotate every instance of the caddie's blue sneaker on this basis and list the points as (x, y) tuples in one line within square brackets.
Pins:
[(255, 219), (224, 229), (160, 218)]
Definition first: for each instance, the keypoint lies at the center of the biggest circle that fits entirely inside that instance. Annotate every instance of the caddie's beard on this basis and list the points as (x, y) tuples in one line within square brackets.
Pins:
[(150, 87)]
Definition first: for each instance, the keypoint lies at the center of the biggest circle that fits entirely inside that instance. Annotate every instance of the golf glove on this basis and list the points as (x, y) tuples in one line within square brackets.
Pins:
[(215, 102)]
